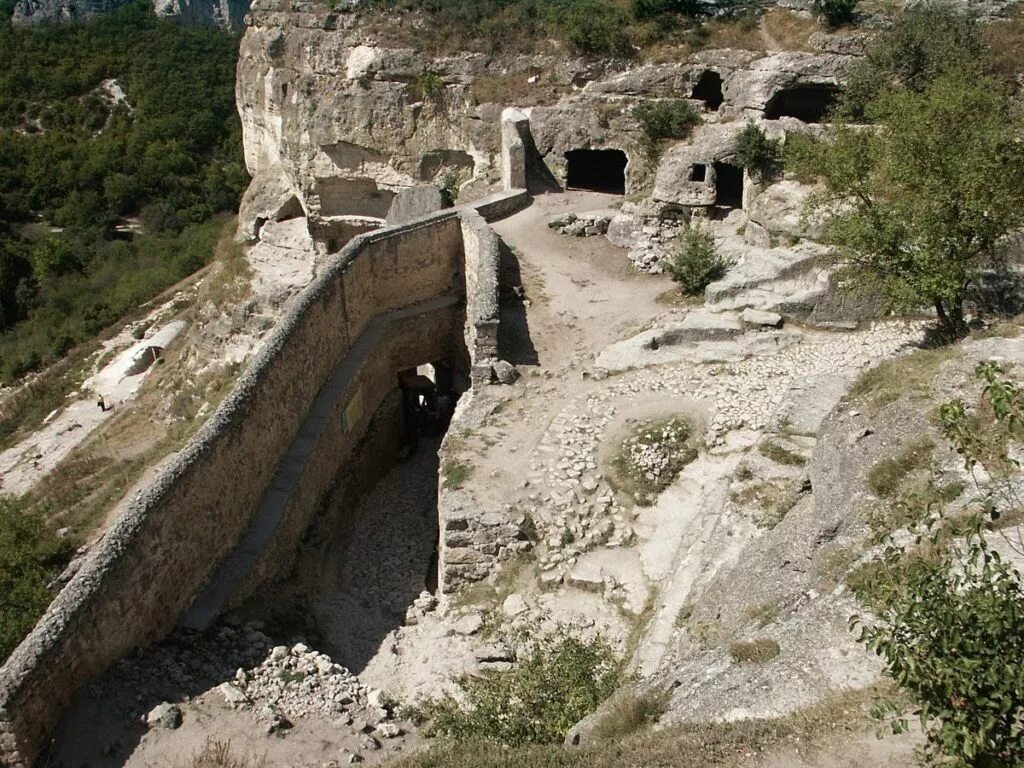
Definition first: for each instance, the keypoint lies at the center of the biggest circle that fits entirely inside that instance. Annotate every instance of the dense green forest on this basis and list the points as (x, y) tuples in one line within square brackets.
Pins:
[(78, 162)]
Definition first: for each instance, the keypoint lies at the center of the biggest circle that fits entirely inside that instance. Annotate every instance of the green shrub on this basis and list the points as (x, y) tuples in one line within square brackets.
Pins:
[(757, 153), (30, 558), (428, 86), (696, 262), (557, 681), (947, 609), (662, 120), (594, 27), (836, 13)]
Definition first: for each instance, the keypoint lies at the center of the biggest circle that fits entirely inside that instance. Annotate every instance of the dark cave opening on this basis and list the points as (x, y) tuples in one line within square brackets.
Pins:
[(709, 89), (810, 103), (699, 172), (728, 185), (599, 170)]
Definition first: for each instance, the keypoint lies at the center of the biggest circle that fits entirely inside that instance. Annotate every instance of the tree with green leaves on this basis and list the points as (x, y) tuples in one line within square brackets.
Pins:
[(757, 153), (949, 607), (923, 44), (922, 203)]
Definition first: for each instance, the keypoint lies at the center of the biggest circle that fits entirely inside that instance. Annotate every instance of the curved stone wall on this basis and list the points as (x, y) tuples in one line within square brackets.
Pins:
[(169, 539)]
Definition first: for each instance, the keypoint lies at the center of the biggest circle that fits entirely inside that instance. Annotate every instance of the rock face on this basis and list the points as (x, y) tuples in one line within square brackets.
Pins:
[(227, 14), (336, 125)]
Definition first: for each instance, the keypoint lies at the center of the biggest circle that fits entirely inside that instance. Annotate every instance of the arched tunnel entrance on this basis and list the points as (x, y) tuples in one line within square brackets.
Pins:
[(811, 103), (598, 170), (728, 185), (378, 549), (709, 89)]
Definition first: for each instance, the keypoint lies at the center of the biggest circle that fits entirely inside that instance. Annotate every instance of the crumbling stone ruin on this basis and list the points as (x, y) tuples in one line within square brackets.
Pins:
[(411, 208)]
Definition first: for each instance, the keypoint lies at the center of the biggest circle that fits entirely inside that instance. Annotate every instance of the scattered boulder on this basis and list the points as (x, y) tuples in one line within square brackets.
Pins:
[(504, 372), (587, 224), (233, 695), (165, 715), (761, 317)]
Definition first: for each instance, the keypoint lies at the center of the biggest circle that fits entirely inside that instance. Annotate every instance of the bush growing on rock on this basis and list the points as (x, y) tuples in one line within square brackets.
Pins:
[(663, 120), (949, 609), (757, 153), (836, 13), (696, 262), (558, 680)]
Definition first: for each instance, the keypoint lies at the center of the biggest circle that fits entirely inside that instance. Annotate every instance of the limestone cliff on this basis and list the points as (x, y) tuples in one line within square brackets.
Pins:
[(227, 14), (336, 122)]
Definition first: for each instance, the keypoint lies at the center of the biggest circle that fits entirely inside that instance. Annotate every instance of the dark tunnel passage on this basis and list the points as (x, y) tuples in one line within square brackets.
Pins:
[(810, 103), (709, 89), (728, 185), (599, 170)]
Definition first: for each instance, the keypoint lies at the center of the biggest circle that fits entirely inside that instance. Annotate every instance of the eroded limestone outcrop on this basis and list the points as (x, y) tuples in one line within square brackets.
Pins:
[(227, 14)]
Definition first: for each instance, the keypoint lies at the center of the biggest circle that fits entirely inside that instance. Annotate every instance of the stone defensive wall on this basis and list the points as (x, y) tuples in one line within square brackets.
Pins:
[(226, 514)]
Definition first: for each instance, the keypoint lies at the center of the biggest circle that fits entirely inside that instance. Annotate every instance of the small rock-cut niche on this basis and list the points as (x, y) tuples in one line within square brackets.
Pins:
[(292, 209), (810, 103), (438, 162), (599, 170), (709, 89), (699, 172), (728, 185), (353, 197)]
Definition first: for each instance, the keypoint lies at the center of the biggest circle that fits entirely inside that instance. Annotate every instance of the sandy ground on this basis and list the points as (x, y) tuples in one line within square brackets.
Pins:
[(117, 383)]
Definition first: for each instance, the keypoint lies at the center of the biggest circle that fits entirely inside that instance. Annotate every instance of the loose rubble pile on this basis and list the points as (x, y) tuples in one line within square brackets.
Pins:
[(278, 683), (587, 224), (657, 452), (648, 236), (570, 501)]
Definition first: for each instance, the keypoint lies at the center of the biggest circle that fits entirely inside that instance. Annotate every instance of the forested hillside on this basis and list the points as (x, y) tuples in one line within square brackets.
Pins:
[(598, 27), (119, 144)]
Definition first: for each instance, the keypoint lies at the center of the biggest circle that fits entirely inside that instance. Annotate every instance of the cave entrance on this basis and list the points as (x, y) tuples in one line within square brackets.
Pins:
[(709, 89), (599, 170), (810, 103), (728, 185)]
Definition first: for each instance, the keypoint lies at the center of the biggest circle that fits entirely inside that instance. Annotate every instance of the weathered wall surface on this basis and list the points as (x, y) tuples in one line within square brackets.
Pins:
[(168, 539), (481, 248)]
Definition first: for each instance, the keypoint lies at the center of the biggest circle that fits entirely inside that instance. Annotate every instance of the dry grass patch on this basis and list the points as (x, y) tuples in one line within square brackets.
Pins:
[(762, 614), (780, 455), (789, 30), (832, 567), (651, 457), (516, 88), (773, 502), (629, 713), (886, 476), (220, 754), (1006, 43), (759, 651), (909, 375)]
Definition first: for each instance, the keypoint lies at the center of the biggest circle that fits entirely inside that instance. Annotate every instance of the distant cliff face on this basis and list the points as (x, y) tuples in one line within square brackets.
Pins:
[(227, 14)]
